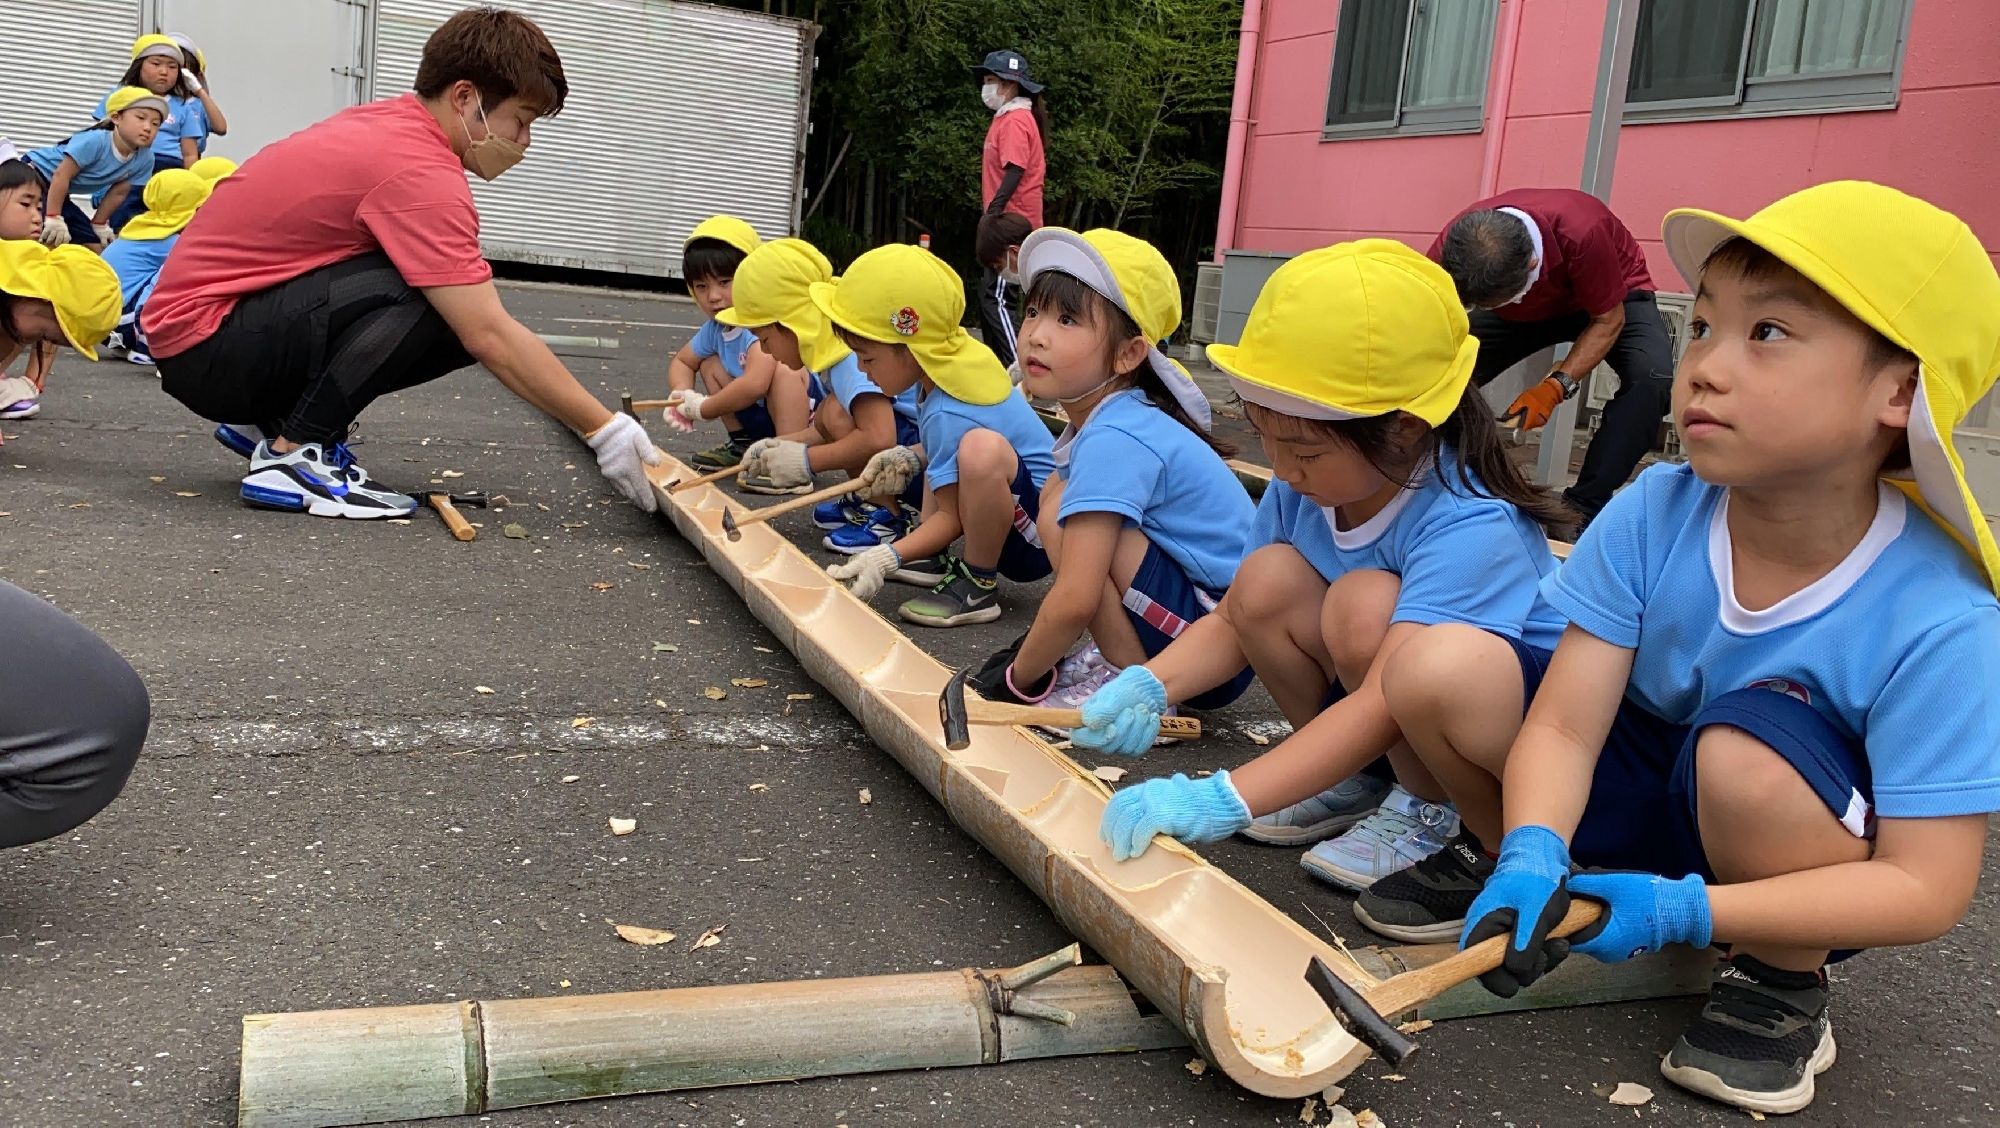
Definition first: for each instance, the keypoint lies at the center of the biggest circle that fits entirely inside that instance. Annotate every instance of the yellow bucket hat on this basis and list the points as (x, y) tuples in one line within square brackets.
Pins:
[(1353, 331), (902, 294), (82, 287), (725, 229), (774, 287), (1914, 273), (171, 199), (1132, 275), (213, 168), (131, 97), (148, 45)]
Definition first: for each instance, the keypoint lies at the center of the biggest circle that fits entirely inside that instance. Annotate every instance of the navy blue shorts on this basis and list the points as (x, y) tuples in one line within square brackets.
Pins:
[(1641, 813), (1161, 602), (1022, 558), (78, 222), (754, 422)]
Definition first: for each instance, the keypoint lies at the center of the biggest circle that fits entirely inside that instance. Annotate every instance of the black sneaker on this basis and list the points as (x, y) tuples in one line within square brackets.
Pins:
[(956, 602), (1759, 1041), (1427, 903), (926, 573)]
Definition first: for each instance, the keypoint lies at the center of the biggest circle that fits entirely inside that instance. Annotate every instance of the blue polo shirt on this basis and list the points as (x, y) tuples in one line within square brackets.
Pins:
[(730, 343), (943, 421), (99, 167)]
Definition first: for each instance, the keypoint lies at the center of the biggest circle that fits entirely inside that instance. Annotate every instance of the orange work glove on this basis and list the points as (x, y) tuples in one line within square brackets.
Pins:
[(1532, 408)]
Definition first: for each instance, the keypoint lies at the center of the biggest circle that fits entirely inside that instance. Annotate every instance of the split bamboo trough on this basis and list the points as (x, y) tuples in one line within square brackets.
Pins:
[(1220, 962)]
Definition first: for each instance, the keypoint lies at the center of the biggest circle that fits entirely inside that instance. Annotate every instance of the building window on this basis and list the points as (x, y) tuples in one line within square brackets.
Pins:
[(1705, 58), (1410, 66)]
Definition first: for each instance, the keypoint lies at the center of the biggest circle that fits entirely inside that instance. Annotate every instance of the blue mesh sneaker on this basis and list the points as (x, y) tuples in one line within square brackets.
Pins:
[(881, 527), (842, 511), (1322, 816), (322, 481)]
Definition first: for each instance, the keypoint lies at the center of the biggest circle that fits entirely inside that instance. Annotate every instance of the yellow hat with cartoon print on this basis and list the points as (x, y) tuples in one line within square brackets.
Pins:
[(130, 97), (726, 229), (1134, 276), (1914, 273), (81, 286), (1353, 331), (213, 168), (904, 295), (774, 287), (171, 199)]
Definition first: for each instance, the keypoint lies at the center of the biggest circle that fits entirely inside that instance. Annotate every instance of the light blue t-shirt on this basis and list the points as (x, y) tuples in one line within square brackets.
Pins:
[(138, 263), (943, 421), (731, 343), (1462, 557), (1898, 646), (1132, 459), (98, 165), (845, 380), (186, 117)]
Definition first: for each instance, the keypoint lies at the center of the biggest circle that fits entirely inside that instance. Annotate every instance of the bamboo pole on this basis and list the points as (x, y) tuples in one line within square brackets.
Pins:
[(380, 1064)]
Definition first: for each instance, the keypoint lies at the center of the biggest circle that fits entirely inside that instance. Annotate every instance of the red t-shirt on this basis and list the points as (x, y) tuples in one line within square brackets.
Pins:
[(1590, 260), (1014, 139), (379, 177)]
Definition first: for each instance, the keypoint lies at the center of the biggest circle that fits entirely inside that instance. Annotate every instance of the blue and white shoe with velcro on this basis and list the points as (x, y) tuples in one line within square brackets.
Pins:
[(1322, 816), (881, 527), (322, 481)]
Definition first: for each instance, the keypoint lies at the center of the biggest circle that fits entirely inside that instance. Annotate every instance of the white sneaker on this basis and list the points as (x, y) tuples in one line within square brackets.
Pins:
[(1322, 816), (19, 398), (323, 481), (1089, 679), (1401, 832)]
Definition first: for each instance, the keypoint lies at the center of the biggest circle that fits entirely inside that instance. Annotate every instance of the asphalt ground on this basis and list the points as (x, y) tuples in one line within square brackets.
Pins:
[(329, 814)]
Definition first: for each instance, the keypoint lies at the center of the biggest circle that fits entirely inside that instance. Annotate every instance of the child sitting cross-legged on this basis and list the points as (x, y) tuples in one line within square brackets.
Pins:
[(1393, 507), (723, 373), (985, 451), (1774, 707)]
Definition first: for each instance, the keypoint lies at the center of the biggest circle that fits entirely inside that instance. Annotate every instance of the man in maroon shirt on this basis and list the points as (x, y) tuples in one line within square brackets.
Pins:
[(343, 263), (1542, 266)]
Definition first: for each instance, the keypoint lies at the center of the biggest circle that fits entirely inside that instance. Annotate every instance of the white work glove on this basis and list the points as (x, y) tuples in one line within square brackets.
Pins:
[(104, 233), (781, 460), (686, 414), (889, 473), (867, 570), (193, 83), (624, 450), (54, 231)]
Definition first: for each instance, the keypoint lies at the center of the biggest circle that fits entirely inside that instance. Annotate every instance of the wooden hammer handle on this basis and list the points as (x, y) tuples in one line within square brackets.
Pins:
[(654, 405), (784, 507), (980, 711), (705, 479), (1399, 993), (453, 519)]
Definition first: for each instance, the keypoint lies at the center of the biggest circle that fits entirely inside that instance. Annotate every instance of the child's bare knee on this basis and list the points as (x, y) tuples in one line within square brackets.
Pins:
[(1355, 614), (984, 455), (1430, 668), (1738, 776), (1269, 584)]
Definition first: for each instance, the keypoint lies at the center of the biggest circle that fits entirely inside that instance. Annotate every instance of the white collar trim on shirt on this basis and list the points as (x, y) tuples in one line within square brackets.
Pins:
[(1803, 604), (1012, 104), (1535, 234), (1060, 452), (731, 332), (1369, 531)]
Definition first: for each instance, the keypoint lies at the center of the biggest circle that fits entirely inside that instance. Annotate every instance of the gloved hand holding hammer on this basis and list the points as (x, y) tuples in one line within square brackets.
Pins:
[(889, 472)]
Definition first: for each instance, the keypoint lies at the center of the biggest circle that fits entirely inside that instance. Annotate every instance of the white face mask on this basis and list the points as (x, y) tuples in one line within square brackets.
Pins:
[(1010, 271), (990, 94)]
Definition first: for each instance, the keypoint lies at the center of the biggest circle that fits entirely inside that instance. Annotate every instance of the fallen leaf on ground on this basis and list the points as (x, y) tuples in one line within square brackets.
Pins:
[(571, 778), (1197, 1067), (1416, 1027), (1310, 1112), (186, 493), (708, 939), (714, 693), (694, 622), (81, 505), (540, 506), (644, 937), (622, 827), (562, 982), (1258, 738), (451, 474), (749, 683), (636, 564), (866, 797), (601, 586), (798, 697), (1630, 1095), (1108, 773), (1394, 1077), (574, 524), (664, 648), (517, 532), (399, 520), (156, 479), (518, 756), (482, 689), (660, 703), (581, 722), (763, 650), (759, 787)]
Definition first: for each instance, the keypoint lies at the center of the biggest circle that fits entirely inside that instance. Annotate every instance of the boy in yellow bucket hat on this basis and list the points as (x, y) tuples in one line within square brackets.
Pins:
[(1774, 703), (985, 451), (63, 297), (142, 248)]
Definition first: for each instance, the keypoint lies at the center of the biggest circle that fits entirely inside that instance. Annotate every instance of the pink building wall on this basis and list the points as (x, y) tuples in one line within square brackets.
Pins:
[(1942, 142)]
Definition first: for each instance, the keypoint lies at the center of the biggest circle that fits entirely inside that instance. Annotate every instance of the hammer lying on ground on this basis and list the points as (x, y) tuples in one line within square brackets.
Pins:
[(635, 408), (733, 528), (446, 502), (959, 712), (1367, 1014)]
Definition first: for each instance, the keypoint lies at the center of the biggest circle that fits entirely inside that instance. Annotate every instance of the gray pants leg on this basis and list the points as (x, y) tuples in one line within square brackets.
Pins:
[(73, 716)]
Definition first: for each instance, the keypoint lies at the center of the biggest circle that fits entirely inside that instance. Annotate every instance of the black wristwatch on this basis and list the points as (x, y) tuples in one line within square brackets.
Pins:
[(1569, 386)]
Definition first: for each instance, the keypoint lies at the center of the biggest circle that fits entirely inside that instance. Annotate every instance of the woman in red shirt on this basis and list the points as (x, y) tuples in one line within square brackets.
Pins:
[(1011, 174)]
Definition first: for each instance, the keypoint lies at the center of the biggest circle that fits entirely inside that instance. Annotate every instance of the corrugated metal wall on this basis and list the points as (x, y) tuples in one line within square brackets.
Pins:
[(62, 56), (676, 111)]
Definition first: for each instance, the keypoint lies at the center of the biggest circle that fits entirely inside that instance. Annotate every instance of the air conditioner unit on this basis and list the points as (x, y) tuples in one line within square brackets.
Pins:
[(1207, 302), (1675, 309)]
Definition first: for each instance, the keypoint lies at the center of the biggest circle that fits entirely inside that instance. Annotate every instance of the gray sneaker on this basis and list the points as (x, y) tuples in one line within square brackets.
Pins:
[(1759, 1041), (1322, 816), (1401, 832)]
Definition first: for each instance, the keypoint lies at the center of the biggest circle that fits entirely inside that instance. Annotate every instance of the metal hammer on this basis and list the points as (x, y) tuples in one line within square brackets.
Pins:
[(1367, 1014), (446, 504), (733, 528), (633, 407), (959, 713)]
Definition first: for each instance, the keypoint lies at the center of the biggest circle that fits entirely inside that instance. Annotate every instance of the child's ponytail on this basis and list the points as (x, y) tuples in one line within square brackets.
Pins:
[(1471, 431), (1147, 380)]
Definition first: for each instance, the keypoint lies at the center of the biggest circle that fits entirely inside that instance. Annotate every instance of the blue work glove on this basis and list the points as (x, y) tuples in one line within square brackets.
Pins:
[(1523, 899), (1123, 717), (1198, 810), (1643, 912)]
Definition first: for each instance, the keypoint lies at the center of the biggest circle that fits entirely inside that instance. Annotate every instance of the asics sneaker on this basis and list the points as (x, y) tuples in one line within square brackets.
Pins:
[(882, 527), (242, 438), (1759, 1041), (1322, 816), (1427, 903), (1401, 832), (323, 481)]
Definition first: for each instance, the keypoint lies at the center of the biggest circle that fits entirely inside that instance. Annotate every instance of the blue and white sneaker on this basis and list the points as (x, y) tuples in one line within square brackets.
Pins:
[(1322, 816), (842, 512), (241, 438), (1401, 832), (322, 481), (882, 527)]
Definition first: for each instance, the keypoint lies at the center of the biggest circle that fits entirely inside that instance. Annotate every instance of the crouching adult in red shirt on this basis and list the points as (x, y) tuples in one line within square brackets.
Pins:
[(1543, 266), (312, 283)]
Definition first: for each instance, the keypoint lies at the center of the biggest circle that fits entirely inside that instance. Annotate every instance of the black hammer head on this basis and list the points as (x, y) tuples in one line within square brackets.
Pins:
[(1355, 1013), (625, 405), (729, 526), (951, 712), (476, 499)]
